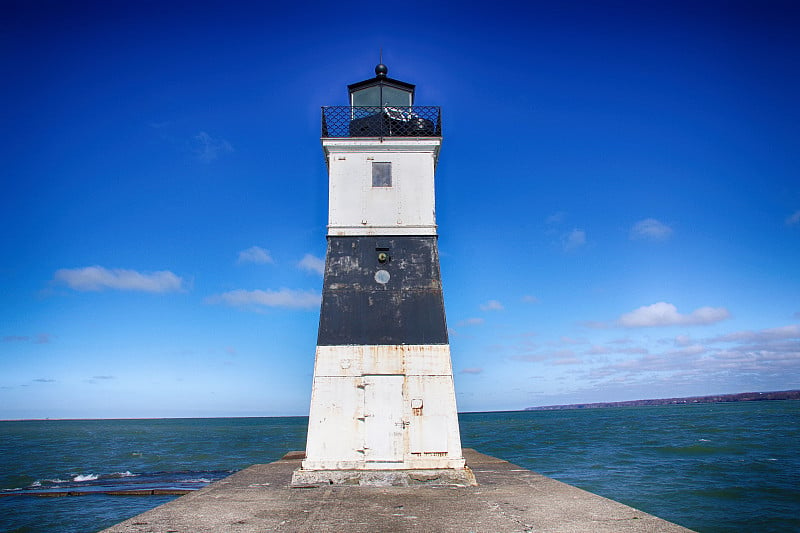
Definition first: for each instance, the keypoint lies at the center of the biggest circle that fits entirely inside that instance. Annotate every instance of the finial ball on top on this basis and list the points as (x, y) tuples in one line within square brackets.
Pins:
[(381, 70)]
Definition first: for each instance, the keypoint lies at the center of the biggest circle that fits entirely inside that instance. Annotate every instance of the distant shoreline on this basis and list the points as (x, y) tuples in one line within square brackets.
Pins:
[(715, 398)]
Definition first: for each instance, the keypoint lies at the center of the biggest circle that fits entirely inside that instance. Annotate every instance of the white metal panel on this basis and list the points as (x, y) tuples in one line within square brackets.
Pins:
[(384, 428), (428, 434), (405, 208), (335, 432), (409, 359)]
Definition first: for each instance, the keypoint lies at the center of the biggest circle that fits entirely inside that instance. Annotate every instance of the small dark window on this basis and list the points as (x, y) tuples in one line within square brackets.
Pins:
[(381, 174)]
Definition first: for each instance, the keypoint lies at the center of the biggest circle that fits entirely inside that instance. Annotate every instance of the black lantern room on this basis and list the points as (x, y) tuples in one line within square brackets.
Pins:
[(381, 107), (381, 91)]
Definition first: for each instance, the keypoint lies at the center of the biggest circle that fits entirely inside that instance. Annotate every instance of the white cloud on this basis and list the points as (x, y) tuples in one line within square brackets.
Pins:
[(758, 356), (598, 350), (255, 254), (531, 357), (209, 148), (529, 299), (471, 322), (97, 278), (492, 305), (793, 219), (694, 349), (765, 335), (764, 359), (634, 350), (574, 240), (650, 229), (288, 298), (472, 370), (552, 357), (666, 314), (312, 263), (568, 361), (683, 340)]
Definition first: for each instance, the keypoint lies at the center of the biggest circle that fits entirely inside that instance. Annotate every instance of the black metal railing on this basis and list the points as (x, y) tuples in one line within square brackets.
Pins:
[(388, 121)]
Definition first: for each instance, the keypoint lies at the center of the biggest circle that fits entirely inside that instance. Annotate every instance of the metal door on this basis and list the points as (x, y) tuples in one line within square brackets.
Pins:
[(383, 418)]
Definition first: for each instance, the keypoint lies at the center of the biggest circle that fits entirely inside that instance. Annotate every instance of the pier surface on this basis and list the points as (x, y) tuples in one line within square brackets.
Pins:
[(507, 498)]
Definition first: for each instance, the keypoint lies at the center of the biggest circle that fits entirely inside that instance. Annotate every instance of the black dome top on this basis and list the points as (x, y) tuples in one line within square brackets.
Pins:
[(381, 70)]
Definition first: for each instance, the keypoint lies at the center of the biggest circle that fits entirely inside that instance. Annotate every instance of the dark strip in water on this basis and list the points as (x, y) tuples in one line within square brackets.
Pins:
[(130, 492)]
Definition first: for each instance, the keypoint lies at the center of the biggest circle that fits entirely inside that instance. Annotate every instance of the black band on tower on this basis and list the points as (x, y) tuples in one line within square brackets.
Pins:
[(382, 291)]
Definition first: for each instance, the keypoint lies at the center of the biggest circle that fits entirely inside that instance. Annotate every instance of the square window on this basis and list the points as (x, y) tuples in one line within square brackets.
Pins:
[(381, 174)]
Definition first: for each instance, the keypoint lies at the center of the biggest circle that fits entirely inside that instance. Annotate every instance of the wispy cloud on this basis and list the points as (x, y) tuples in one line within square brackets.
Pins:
[(556, 218), (42, 338), (471, 322), (570, 240), (255, 254), (44, 380), (793, 219), (492, 305), (39, 338), (472, 370), (570, 340), (598, 350), (97, 278), (312, 263), (209, 148), (574, 240), (756, 354), (530, 299), (94, 380), (552, 357), (650, 229), (682, 340), (255, 299), (666, 314), (764, 335)]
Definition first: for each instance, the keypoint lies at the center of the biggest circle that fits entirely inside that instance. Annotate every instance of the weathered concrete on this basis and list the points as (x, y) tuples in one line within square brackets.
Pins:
[(384, 478), (508, 498)]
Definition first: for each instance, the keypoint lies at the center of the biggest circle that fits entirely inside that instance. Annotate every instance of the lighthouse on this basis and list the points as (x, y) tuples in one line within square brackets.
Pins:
[(383, 407)]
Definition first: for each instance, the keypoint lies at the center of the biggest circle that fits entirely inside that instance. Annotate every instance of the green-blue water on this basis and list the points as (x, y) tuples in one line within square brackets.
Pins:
[(709, 467)]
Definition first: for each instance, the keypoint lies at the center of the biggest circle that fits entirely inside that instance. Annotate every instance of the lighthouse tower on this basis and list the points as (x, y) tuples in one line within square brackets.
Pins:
[(383, 408)]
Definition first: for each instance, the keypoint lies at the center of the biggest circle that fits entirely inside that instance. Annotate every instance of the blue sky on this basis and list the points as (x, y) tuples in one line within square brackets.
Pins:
[(618, 198)]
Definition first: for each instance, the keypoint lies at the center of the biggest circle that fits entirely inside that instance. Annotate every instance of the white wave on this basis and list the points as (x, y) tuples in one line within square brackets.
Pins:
[(196, 480), (126, 473), (85, 477), (38, 482)]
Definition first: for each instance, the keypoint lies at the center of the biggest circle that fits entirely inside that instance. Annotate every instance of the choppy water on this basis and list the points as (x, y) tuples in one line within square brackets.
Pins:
[(709, 467)]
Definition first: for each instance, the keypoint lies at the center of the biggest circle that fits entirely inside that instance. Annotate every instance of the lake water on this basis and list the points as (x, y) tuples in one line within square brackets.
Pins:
[(709, 467)]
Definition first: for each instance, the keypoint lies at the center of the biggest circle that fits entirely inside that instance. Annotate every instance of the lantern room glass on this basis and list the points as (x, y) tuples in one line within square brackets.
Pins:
[(372, 96)]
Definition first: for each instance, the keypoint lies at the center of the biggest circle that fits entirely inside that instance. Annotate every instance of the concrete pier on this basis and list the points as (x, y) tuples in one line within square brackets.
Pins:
[(507, 498)]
